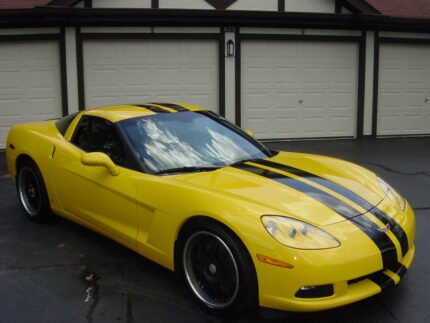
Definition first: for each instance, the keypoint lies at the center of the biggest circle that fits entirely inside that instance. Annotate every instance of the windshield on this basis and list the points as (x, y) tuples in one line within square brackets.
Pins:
[(189, 139)]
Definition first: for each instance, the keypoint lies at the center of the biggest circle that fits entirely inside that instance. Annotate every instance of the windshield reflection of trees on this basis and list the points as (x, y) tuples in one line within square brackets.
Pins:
[(167, 147)]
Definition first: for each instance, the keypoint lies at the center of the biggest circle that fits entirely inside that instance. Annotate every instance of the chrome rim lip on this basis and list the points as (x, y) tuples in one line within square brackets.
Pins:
[(192, 280), (23, 195)]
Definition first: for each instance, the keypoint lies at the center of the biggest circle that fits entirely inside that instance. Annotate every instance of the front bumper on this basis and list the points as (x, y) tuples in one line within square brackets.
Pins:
[(354, 270)]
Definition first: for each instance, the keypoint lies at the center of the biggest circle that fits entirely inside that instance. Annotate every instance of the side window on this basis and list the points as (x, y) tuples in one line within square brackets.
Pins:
[(99, 135)]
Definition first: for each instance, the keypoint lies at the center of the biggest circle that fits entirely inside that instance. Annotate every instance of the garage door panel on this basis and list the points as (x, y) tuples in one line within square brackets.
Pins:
[(315, 76), (391, 77), (10, 107), (303, 81), (285, 102), (136, 78), (10, 80), (286, 126), (313, 126), (39, 80), (340, 77), (404, 86), (258, 76), (154, 70)]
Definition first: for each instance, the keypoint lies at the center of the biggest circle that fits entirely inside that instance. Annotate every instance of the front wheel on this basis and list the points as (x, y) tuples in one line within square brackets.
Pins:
[(218, 269), (32, 192)]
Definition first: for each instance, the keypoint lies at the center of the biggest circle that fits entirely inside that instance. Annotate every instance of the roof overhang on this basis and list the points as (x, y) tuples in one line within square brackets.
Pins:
[(66, 16)]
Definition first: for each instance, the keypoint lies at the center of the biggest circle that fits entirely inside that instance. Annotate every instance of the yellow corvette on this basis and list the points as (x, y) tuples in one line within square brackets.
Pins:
[(243, 225)]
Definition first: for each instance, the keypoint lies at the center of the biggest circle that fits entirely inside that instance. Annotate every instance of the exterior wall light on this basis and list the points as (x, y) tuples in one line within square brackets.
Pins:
[(230, 48)]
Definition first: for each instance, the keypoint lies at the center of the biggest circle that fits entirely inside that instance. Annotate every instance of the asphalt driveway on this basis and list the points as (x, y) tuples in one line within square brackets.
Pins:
[(59, 271)]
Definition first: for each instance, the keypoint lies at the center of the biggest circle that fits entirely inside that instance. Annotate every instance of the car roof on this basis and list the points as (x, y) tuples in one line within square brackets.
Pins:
[(117, 113)]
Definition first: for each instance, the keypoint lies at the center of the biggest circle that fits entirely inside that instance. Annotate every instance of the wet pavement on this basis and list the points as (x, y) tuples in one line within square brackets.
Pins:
[(60, 272)]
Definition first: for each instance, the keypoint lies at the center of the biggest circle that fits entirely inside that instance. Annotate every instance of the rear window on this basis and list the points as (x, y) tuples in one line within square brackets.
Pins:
[(64, 123)]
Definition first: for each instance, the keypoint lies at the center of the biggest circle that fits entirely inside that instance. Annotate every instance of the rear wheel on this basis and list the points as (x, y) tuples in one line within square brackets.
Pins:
[(32, 192), (217, 268)]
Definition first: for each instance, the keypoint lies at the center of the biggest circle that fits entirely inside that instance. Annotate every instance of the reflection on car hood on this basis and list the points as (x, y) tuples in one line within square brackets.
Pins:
[(317, 189)]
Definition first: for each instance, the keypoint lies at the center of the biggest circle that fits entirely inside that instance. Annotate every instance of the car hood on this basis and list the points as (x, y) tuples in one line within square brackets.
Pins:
[(256, 183)]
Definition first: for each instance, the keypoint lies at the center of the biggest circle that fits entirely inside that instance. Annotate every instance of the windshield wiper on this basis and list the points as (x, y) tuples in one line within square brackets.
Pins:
[(187, 169)]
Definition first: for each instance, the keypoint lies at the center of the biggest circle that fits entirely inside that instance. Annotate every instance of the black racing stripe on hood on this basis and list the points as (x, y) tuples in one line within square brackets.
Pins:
[(381, 239), (152, 108), (175, 107), (396, 229)]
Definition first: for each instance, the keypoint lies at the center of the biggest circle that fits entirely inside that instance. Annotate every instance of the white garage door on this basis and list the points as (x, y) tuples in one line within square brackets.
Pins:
[(139, 71), (293, 89), (404, 90), (30, 84)]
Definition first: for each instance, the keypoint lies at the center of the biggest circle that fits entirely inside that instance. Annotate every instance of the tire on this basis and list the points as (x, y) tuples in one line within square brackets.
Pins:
[(32, 192), (217, 268)]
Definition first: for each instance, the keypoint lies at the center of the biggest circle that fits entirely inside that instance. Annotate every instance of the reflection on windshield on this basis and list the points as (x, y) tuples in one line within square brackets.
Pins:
[(186, 139)]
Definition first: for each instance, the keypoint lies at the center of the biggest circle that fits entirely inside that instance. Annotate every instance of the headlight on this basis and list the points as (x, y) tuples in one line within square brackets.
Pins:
[(297, 234), (392, 194)]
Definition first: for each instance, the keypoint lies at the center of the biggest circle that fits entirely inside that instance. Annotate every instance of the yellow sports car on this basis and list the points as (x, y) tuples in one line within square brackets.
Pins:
[(242, 224)]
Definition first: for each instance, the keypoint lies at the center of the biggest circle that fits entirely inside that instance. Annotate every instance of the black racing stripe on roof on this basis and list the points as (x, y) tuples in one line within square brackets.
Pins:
[(175, 107), (381, 239), (151, 108), (396, 229)]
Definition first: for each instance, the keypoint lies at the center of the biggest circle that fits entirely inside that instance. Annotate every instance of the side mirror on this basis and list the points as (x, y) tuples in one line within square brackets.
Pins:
[(100, 159), (250, 132)]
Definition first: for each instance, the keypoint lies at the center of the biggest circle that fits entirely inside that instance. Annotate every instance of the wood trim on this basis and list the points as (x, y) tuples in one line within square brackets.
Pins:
[(360, 6), (29, 37), (81, 37), (63, 3), (361, 84), (338, 6), (221, 73), (238, 78), (63, 72), (58, 16), (282, 37), (80, 68), (398, 40), (281, 5), (221, 4), (150, 36), (375, 85), (155, 4)]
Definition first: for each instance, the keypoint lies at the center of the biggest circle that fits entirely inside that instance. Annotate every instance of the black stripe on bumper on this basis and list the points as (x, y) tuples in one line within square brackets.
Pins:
[(381, 239), (382, 280), (399, 269), (396, 229)]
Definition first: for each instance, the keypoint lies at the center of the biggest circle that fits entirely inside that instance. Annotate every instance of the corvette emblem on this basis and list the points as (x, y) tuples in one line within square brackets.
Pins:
[(385, 229)]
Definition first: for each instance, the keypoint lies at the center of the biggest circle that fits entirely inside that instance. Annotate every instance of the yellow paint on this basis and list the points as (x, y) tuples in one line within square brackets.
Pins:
[(145, 212)]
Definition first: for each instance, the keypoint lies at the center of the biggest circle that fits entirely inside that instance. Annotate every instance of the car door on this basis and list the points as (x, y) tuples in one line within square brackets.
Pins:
[(91, 193)]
